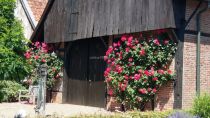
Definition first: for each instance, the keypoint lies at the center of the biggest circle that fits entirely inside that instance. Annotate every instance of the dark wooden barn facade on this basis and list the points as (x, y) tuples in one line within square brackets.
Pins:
[(70, 20), (86, 28)]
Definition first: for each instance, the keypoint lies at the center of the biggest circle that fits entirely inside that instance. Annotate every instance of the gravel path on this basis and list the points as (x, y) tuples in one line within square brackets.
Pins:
[(8, 110)]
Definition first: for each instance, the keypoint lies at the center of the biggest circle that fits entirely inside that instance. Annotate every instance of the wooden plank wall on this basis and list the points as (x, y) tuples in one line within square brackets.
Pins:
[(79, 19)]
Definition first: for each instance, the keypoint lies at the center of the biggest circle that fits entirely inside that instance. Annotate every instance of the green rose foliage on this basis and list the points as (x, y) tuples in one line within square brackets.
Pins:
[(138, 66), (41, 53)]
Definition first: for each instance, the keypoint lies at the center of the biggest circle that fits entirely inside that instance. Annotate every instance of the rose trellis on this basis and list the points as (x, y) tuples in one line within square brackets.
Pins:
[(138, 66)]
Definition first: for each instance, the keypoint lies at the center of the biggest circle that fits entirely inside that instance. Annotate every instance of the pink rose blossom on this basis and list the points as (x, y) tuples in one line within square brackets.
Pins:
[(110, 92), (156, 41), (126, 77), (154, 90), (36, 57), (108, 80), (127, 49), (142, 52), (160, 71), (44, 61), (115, 45), (169, 71), (123, 38), (27, 55), (166, 41), (147, 73), (105, 58), (142, 91), (137, 76), (154, 79), (118, 43), (130, 59), (37, 44)]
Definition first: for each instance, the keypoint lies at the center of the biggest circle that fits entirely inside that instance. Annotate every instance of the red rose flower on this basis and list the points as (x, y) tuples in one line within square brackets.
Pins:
[(136, 41), (127, 49), (142, 91), (154, 79), (118, 43), (130, 64), (166, 41), (130, 59), (160, 71), (147, 73), (122, 87), (105, 58), (154, 90), (126, 77), (109, 61), (36, 57), (113, 63), (44, 45), (44, 61), (152, 72), (130, 39), (110, 92), (27, 55), (137, 76), (106, 74), (37, 44), (109, 51), (156, 41), (169, 71), (134, 47), (140, 71), (142, 52), (149, 89), (108, 80), (119, 69), (123, 38), (128, 44), (108, 69), (115, 45)]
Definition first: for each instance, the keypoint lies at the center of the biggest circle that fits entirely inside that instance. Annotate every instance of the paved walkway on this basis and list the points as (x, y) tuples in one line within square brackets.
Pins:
[(8, 110)]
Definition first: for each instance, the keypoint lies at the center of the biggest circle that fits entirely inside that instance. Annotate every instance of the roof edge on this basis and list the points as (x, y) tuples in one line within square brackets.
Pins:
[(29, 13)]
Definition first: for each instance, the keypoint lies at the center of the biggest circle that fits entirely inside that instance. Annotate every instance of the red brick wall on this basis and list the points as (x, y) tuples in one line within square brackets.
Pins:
[(165, 95), (189, 69), (189, 78), (37, 7)]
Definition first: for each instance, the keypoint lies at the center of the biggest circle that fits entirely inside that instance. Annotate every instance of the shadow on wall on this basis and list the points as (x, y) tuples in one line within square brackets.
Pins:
[(190, 38)]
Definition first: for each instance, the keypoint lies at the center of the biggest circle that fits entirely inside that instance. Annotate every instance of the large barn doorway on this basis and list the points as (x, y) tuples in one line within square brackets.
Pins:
[(85, 72)]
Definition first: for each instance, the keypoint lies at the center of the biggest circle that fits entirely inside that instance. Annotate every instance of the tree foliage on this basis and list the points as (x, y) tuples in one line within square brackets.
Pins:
[(12, 44)]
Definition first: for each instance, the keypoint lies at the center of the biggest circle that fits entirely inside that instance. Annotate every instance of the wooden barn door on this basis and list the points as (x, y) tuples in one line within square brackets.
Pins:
[(77, 72), (96, 85), (86, 66)]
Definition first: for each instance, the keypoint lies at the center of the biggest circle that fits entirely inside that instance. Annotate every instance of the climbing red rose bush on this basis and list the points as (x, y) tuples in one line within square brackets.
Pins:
[(138, 66), (42, 53)]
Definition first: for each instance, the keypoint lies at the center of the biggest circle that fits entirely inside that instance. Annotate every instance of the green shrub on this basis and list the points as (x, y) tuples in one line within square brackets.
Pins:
[(201, 106), (133, 114), (9, 90)]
